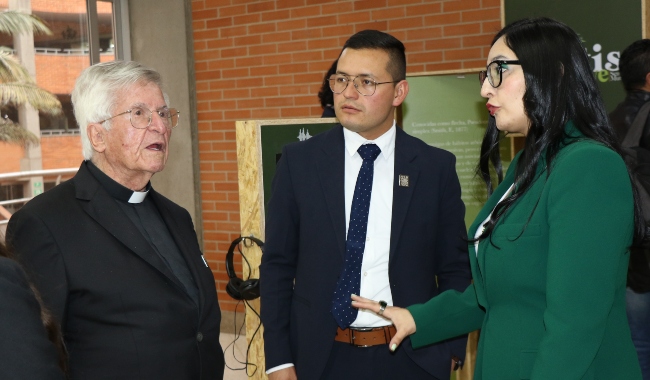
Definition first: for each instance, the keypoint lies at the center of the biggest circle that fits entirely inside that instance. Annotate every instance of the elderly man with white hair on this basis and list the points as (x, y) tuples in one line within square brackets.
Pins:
[(118, 264)]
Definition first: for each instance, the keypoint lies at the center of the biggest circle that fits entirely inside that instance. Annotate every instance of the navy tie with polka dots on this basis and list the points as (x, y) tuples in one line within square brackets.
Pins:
[(350, 280)]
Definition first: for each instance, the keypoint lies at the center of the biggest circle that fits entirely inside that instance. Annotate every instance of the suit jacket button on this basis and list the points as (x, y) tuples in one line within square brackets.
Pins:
[(199, 337)]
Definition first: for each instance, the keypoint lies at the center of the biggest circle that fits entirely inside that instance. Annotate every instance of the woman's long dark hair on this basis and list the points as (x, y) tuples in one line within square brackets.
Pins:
[(51, 326), (560, 87)]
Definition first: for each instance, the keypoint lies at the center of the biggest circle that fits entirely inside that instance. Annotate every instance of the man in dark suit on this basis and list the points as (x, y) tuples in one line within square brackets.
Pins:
[(403, 246), (117, 263)]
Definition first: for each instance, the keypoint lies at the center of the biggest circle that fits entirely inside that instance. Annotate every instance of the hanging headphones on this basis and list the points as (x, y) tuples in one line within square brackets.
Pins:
[(236, 287)]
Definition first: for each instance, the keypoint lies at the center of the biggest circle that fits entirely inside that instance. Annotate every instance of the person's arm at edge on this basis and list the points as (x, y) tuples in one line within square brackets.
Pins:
[(453, 269), (445, 316)]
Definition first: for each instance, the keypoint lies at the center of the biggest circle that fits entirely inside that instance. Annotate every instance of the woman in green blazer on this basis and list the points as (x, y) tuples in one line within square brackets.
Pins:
[(550, 254)]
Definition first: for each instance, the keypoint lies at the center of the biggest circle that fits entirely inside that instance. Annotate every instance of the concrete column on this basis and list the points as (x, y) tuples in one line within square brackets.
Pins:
[(180, 180), (27, 116)]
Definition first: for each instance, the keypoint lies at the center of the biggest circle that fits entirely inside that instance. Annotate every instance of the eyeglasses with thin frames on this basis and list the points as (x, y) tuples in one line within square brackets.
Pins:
[(494, 72), (141, 117), (364, 85)]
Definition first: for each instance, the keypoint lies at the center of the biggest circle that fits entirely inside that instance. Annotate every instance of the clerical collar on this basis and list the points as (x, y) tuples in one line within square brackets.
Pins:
[(115, 189)]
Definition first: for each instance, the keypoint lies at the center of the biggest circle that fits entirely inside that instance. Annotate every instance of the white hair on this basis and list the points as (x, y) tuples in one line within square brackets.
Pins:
[(96, 91)]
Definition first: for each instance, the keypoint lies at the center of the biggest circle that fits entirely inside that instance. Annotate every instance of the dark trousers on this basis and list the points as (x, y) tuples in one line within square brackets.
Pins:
[(638, 314), (372, 363)]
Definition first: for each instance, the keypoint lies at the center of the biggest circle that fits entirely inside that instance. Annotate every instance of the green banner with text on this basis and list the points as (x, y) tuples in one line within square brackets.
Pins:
[(447, 111), (606, 28)]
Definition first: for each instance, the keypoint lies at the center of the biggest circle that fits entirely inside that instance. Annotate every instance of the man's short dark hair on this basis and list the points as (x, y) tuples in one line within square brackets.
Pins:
[(374, 39), (634, 64)]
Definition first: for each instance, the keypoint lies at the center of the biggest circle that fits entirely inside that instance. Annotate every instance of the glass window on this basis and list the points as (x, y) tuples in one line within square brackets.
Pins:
[(83, 31), (61, 56), (105, 30), (9, 192)]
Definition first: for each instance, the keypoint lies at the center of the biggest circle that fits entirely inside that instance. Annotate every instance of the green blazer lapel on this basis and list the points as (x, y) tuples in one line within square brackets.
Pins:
[(477, 262), (508, 180)]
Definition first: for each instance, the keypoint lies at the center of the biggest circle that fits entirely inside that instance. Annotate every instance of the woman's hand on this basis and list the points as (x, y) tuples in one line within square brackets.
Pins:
[(401, 318)]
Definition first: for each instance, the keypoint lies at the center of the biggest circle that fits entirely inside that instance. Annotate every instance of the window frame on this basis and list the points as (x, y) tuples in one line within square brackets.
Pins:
[(121, 30)]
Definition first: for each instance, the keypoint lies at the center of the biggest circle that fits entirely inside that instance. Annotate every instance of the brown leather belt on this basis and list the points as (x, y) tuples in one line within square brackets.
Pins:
[(365, 337)]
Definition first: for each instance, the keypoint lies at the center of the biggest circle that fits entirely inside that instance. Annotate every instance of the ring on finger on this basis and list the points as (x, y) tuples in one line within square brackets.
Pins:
[(382, 307)]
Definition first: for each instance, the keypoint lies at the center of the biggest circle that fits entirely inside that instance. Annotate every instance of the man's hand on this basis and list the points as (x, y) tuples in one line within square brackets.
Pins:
[(401, 318), (284, 374)]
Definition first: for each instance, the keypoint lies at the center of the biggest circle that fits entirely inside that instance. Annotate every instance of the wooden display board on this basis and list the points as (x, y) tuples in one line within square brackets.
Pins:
[(259, 142)]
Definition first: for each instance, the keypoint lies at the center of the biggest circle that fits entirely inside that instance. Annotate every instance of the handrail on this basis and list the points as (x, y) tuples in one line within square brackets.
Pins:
[(60, 132), (14, 201), (25, 175), (57, 51), (36, 173)]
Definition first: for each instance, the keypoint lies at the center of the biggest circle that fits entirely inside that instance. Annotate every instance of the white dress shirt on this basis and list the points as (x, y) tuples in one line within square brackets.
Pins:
[(481, 227), (374, 267)]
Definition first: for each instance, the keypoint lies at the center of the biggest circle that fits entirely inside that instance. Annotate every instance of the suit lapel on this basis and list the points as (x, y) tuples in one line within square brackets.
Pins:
[(331, 172), (477, 261), (104, 210), (405, 157), (181, 241)]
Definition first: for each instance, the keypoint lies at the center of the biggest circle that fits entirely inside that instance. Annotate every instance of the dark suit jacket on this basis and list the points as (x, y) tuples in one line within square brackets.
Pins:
[(305, 241), (25, 349), (124, 314)]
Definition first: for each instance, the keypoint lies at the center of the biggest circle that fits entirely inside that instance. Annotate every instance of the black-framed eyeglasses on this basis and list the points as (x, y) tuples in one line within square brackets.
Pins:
[(141, 117), (364, 85), (494, 72)]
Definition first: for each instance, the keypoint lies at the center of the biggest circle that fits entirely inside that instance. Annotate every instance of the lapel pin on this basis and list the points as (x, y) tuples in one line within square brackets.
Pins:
[(403, 180)]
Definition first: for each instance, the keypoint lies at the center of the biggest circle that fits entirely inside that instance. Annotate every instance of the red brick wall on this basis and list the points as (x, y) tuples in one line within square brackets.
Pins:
[(61, 152), (266, 59), (58, 152), (57, 73), (10, 155)]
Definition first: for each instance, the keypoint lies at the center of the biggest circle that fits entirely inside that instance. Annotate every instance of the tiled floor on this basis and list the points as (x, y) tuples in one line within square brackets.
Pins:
[(234, 354)]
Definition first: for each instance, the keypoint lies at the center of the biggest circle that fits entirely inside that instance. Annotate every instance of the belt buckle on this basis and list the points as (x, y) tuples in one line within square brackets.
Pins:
[(359, 329)]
